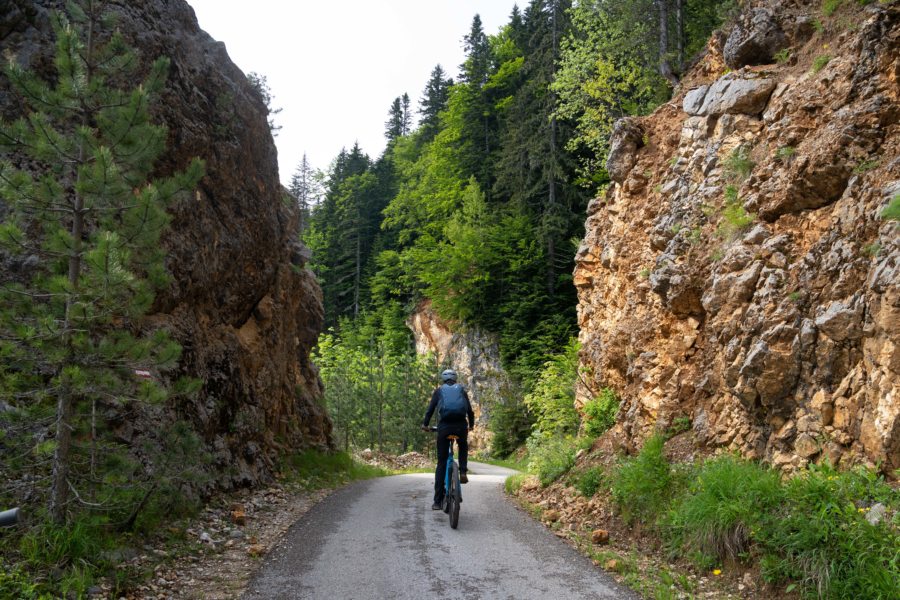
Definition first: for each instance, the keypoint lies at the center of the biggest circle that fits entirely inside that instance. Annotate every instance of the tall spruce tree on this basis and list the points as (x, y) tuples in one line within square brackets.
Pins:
[(84, 220), (306, 188), (433, 102)]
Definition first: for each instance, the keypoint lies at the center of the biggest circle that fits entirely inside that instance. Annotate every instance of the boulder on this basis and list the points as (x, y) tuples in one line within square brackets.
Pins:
[(754, 40), (627, 137), (733, 93)]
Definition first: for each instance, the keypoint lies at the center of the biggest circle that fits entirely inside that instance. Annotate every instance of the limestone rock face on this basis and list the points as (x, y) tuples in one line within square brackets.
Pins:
[(777, 334), (245, 310), (472, 353), (755, 39)]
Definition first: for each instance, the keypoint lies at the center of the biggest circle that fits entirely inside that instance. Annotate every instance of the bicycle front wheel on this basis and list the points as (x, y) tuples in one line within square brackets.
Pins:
[(453, 496)]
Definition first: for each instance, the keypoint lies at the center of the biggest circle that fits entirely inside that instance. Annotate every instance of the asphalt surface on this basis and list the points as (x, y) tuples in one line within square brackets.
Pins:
[(379, 539)]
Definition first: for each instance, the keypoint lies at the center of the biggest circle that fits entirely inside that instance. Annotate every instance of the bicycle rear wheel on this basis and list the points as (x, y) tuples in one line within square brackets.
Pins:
[(453, 497)]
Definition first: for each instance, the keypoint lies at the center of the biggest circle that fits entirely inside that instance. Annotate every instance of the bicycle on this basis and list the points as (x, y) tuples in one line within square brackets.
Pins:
[(452, 486)]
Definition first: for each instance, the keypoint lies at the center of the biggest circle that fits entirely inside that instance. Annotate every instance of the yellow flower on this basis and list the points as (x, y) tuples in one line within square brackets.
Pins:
[(825, 46), (862, 510), (717, 571)]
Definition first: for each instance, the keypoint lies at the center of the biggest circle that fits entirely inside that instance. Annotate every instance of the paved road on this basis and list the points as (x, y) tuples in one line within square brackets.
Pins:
[(379, 539)]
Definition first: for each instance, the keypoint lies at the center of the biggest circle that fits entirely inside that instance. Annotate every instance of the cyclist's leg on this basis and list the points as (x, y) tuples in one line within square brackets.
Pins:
[(463, 444)]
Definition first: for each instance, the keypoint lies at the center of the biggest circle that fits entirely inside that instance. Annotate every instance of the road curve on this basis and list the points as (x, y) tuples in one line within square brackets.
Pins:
[(379, 539)]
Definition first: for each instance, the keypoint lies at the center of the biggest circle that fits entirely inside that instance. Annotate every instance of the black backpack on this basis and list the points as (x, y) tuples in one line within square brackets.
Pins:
[(452, 406)]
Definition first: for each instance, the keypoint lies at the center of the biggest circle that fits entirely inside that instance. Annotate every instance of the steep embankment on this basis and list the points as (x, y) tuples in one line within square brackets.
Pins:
[(245, 310), (473, 353), (738, 271)]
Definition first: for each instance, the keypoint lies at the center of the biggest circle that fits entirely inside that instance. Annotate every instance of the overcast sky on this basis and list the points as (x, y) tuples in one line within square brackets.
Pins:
[(334, 67)]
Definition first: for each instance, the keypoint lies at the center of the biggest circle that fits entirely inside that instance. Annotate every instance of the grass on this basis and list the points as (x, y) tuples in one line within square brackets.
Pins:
[(735, 219), (866, 166), (715, 519), (829, 6), (514, 482), (641, 484), (891, 212), (314, 469), (783, 55), (785, 153), (739, 165), (550, 457), (819, 62), (589, 481)]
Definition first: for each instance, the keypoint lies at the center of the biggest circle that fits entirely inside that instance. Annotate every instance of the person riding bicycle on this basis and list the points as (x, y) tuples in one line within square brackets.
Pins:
[(454, 409)]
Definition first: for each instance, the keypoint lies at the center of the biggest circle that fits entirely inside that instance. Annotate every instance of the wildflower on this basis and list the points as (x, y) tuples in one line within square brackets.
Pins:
[(717, 571)]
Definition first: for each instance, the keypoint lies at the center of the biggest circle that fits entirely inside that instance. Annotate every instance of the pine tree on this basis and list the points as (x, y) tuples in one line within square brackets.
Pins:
[(306, 189), (261, 87), (85, 222), (433, 102)]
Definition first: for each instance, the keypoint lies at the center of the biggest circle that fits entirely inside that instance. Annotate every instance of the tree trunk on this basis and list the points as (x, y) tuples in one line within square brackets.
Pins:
[(665, 68), (679, 25)]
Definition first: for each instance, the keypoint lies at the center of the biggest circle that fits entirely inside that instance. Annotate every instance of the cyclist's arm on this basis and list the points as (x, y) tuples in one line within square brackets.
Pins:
[(435, 398), (469, 412)]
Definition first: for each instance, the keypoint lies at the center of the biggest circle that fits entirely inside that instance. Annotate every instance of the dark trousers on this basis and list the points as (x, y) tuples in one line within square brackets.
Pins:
[(443, 450)]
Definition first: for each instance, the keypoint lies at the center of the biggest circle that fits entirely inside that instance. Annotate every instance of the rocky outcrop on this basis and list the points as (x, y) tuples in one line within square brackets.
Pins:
[(241, 303), (473, 353), (738, 271)]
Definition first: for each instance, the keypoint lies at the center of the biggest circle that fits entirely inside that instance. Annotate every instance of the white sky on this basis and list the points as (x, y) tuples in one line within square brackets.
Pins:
[(335, 66)]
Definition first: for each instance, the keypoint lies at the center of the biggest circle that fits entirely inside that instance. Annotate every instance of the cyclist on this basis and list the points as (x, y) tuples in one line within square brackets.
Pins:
[(454, 409)]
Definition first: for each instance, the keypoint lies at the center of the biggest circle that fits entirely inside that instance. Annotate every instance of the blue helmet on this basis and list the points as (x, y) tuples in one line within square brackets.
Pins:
[(448, 375)]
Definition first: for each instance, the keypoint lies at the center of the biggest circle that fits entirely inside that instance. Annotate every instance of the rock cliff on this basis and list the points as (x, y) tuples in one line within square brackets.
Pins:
[(473, 353), (245, 310), (738, 271)]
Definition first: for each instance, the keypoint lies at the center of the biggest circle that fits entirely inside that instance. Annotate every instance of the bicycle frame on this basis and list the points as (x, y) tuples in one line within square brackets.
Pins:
[(448, 472)]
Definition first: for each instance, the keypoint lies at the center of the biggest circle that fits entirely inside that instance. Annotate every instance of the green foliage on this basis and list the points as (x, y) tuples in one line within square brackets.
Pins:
[(717, 516), (514, 482), (589, 481), (866, 166), (735, 217), (820, 61), (785, 153), (641, 484), (552, 400), (891, 212), (550, 456), (511, 422), (17, 583), (90, 214), (376, 388), (829, 6), (316, 469), (783, 55), (600, 413), (819, 536), (739, 165)]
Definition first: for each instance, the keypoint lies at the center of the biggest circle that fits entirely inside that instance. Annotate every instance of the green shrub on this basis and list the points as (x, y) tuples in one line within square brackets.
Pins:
[(79, 542), (550, 457), (735, 219), (820, 537), (552, 400), (315, 469), (514, 482), (820, 62), (16, 583), (641, 485), (829, 6), (785, 153), (589, 481), (739, 165), (716, 517), (891, 212), (783, 55), (510, 423), (600, 413)]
